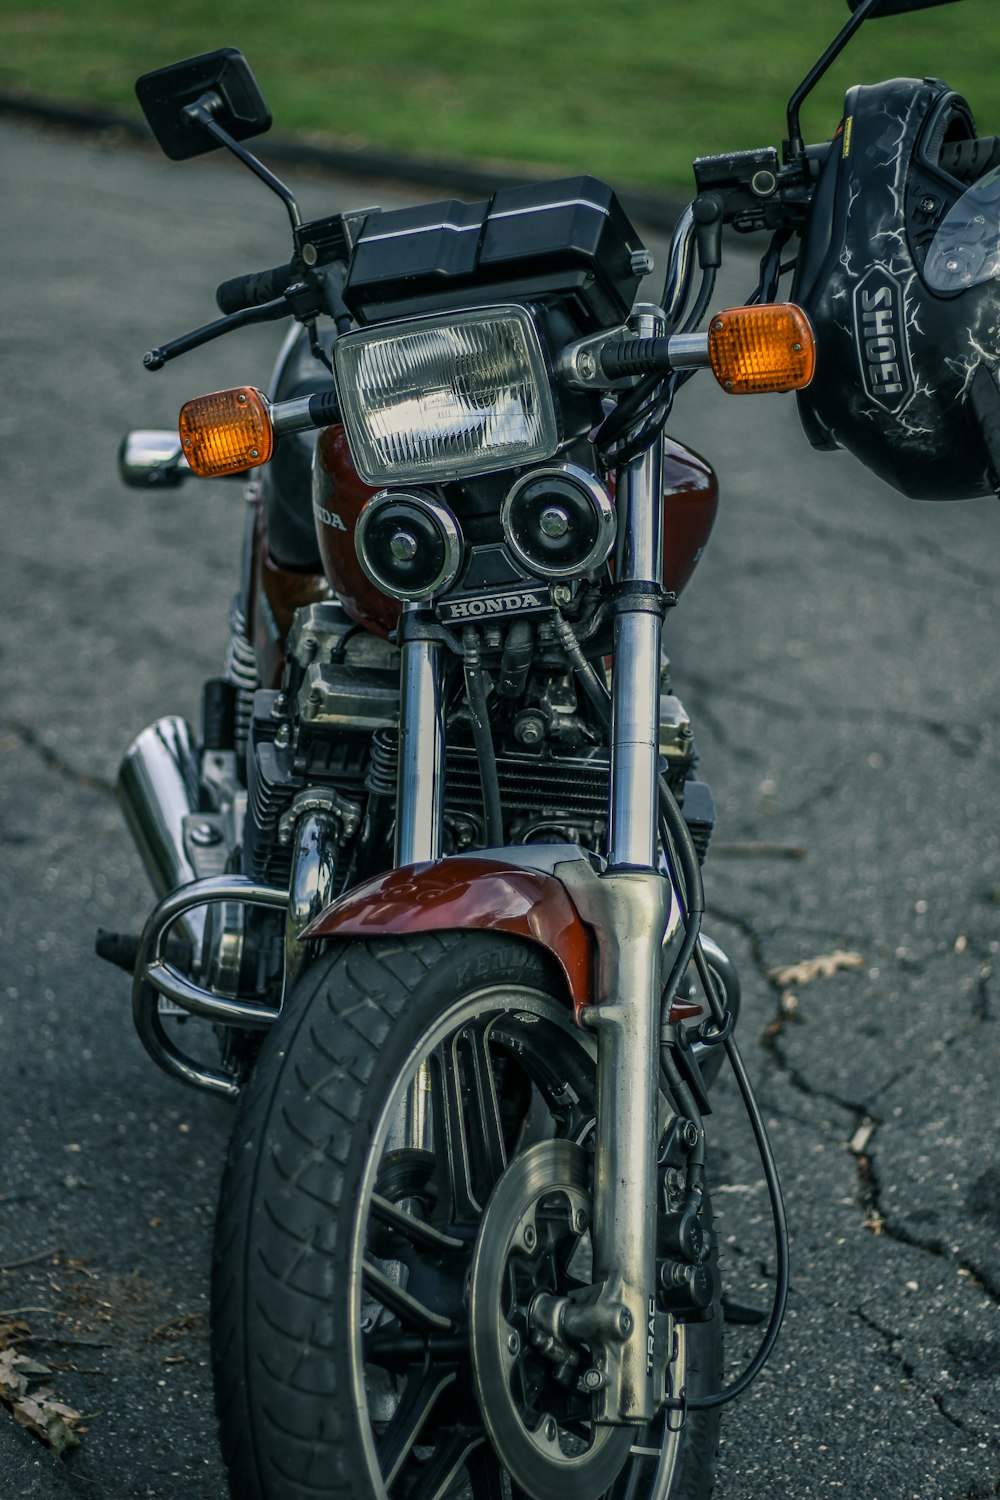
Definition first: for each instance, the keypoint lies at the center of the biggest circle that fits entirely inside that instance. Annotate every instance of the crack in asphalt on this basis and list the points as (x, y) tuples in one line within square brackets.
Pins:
[(891, 1339), (869, 1188), (30, 738), (871, 1196)]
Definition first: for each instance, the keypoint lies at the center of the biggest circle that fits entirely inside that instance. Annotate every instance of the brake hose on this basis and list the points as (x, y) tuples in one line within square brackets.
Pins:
[(482, 737), (694, 904)]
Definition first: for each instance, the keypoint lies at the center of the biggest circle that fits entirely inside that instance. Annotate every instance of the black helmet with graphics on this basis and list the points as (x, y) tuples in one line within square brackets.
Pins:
[(900, 273)]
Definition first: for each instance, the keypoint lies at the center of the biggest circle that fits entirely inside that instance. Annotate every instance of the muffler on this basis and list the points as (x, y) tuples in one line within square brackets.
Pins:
[(158, 788)]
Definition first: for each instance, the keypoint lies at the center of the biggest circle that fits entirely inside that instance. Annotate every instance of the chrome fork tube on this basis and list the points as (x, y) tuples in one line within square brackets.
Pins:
[(635, 717), (641, 901), (419, 814), (420, 785)]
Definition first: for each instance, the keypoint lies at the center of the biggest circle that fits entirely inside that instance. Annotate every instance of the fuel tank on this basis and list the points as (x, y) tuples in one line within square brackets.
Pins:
[(690, 503), (338, 493)]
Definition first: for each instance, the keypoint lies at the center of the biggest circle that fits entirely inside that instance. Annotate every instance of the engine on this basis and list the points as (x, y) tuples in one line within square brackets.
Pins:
[(330, 732)]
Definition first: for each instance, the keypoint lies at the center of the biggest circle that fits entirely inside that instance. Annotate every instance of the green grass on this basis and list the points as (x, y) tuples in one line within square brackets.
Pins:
[(631, 93)]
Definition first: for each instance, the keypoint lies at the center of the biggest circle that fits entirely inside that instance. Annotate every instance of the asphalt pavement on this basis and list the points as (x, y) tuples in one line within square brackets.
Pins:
[(837, 652)]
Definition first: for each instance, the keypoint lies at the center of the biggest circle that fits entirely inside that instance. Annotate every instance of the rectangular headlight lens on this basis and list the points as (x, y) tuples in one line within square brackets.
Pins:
[(446, 396)]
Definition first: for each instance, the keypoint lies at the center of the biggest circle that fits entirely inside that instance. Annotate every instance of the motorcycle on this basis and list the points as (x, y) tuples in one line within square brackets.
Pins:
[(429, 876)]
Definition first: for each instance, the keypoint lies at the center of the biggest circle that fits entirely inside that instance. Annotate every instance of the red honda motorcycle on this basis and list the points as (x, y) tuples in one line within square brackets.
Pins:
[(429, 874)]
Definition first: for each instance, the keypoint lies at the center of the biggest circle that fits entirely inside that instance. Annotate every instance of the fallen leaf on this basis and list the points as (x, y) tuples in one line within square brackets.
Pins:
[(177, 1327), (10, 1333), (38, 1411), (822, 967), (49, 1420), (12, 1382)]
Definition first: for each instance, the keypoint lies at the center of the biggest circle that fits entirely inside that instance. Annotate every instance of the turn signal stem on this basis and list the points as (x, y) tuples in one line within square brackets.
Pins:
[(636, 357), (761, 348)]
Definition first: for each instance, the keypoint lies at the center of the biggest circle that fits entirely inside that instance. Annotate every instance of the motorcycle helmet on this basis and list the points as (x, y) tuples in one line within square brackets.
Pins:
[(899, 272)]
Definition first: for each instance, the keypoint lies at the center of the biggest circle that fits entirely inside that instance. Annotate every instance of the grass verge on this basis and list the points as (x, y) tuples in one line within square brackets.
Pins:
[(630, 94)]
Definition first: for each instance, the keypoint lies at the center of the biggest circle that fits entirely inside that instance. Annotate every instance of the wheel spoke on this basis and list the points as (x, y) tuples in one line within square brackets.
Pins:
[(421, 1235), (486, 1474), (436, 1478), (408, 1309), (422, 1392)]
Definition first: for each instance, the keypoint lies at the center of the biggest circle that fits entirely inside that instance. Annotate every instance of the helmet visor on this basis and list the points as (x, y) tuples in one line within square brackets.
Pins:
[(966, 248)]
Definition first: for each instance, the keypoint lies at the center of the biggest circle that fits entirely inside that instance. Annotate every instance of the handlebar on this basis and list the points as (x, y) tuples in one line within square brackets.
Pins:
[(260, 296), (255, 288)]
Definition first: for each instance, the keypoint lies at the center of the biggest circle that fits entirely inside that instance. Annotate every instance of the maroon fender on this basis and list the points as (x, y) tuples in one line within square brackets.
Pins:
[(466, 891)]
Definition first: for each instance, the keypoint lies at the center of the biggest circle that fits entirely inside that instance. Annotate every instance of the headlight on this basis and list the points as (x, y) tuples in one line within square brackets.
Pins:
[(442, 397)]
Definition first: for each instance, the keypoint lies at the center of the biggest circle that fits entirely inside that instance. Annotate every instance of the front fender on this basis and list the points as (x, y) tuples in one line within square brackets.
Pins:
[(474, 890)]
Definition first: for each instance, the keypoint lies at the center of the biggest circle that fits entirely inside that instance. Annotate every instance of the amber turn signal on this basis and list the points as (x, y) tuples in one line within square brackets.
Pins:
[(226, 432), (753, 350)]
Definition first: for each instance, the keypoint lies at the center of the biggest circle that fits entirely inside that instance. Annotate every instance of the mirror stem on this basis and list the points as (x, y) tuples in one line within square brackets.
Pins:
[(203, 113), (794, 146)]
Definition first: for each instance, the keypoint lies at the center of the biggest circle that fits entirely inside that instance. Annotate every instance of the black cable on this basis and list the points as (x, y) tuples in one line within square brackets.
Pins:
[(700, 307), (626, 413), (687, 858), (590, 679), (770, 269), (482, 735), (649, 427), (753, 1369)]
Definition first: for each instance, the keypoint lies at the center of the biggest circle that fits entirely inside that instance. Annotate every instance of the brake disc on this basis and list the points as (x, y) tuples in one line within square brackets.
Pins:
[(532, 1389)]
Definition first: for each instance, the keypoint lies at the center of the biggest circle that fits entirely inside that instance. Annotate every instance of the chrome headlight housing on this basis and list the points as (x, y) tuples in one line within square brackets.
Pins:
[(444, 397)]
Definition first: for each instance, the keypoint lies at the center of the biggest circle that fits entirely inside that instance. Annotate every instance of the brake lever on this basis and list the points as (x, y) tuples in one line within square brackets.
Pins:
[(155, 359)]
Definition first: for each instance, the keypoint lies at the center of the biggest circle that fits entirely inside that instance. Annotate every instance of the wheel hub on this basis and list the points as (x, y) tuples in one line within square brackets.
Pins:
[(533, 1386)]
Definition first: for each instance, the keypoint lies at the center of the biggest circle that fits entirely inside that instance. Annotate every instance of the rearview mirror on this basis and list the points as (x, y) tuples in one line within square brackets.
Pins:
[(897, 7), (236, 102)]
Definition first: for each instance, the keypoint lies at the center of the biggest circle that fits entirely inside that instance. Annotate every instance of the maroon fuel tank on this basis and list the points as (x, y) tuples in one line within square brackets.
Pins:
[(690, 502), (338, 493), (276, 593)]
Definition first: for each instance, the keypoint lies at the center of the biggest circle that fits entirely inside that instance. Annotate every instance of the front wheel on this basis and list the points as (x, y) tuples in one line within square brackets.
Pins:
[(411, 1167)]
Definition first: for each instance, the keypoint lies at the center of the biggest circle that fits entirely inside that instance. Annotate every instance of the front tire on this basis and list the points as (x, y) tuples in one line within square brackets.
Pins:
[(343, 1256)]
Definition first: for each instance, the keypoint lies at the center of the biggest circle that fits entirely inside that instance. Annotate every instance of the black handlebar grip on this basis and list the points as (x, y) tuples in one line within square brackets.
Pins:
[(254, 289), (969, 160), (636, 357)]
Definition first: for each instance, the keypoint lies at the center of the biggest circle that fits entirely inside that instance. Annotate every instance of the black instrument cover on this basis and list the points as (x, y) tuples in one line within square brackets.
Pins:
[(570, 239)]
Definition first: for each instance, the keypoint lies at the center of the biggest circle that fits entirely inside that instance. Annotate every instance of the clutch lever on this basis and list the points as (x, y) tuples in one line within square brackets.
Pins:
[(155, 359)]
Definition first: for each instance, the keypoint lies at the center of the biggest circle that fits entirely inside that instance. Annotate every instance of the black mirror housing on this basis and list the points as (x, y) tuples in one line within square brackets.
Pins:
[(238, 105)]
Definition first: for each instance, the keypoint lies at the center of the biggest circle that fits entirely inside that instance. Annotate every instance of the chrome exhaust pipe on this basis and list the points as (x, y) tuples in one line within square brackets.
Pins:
[(157, 789)]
